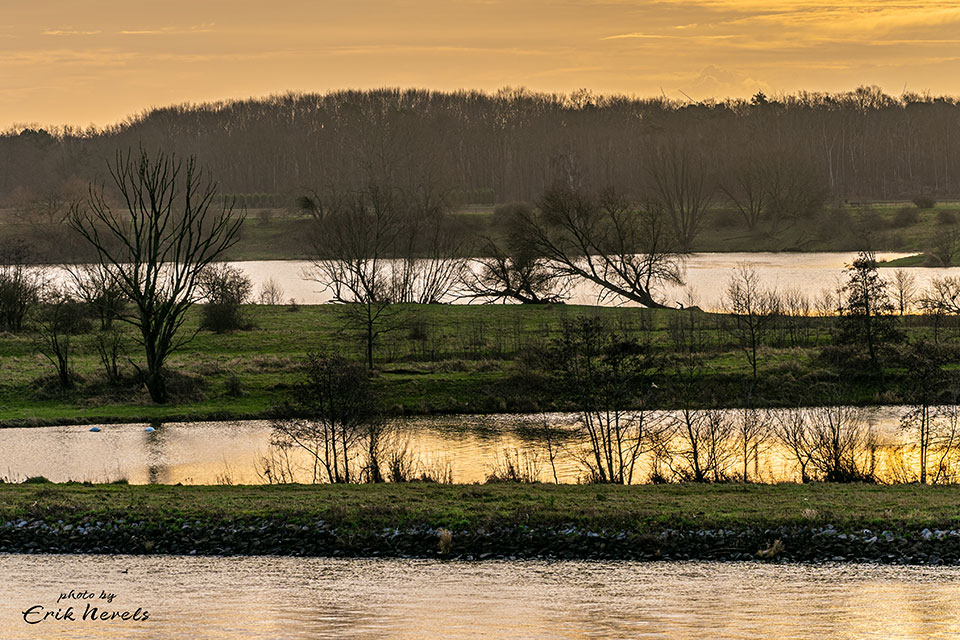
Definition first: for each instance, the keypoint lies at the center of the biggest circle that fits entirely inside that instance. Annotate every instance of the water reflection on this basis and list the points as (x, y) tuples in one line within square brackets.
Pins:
[(468, 448), (325, 598)]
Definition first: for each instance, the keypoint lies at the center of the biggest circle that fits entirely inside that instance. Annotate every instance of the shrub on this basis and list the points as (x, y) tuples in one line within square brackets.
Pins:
[(225, 290), (947, 217), (924, 202), (20, 284), (906, 217), (271, 292)]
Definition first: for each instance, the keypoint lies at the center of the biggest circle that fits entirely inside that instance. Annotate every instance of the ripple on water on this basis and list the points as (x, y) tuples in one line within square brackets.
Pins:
[(263, 597)]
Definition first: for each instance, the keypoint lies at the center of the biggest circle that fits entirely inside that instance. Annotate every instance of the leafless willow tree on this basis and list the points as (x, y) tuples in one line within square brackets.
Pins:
[(172, 225), (603, 240), (509, 270)]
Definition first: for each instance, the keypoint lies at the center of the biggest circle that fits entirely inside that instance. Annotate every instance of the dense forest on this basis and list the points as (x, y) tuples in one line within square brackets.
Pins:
[(511, 145)]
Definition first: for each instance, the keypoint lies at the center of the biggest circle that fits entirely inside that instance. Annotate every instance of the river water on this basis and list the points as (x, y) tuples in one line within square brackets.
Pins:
[(265, 598), (707, 275), (468, 447)]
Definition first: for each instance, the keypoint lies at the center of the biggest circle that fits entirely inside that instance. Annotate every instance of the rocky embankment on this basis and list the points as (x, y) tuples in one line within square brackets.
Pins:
[(799, 543)]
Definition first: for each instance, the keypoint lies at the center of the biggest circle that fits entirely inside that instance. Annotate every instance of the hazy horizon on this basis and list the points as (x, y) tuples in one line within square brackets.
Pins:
[(63, 63)]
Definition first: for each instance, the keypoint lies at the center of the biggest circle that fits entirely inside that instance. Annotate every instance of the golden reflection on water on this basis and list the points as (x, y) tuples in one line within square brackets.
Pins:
[(239, 452), (263, 597)]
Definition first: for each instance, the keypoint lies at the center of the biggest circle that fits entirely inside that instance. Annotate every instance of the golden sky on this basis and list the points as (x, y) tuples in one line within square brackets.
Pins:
[(97, 61)]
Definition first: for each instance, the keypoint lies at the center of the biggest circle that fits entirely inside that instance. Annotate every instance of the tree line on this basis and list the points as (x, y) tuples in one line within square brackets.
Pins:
[(768, 153)]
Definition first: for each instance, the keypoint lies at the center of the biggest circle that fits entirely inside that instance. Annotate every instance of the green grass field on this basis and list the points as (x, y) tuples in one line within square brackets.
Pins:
[(436, 359), (724, 230), (282, 235), (372, 507)]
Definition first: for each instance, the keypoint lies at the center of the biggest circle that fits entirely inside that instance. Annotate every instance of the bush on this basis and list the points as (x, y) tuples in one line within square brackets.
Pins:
[(20, 284), (271, 292), (924, 202), (947, 217), (906, 217), (225, 290)]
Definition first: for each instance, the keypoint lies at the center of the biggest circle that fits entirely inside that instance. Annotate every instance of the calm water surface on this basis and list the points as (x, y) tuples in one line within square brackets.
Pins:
[(706, 276), (470, 446), (706, 279), (272, 598)]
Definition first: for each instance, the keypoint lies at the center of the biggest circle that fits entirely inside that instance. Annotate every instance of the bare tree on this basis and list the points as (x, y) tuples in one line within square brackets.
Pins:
[(945, 245), (904, 288), (509, 270), (355, 237), (746, 187), (752, 309), (924, 361), (59, 319), (157, 248), (271, 292), (945, 444), (751, 430), (842, 444), (100, 290), (606, 374), (681, 186), (602, 240), (334, 416), (791, 431), (942, 296), (704, 444), (21, 283), (429, 261)]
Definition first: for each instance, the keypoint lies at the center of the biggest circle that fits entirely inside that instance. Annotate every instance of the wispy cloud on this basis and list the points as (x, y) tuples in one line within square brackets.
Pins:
[(70, 31), (666, 36), (202, 28)]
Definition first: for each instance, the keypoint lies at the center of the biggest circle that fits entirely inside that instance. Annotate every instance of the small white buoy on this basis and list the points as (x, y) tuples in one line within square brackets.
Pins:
[(95, 429), (149, 429)]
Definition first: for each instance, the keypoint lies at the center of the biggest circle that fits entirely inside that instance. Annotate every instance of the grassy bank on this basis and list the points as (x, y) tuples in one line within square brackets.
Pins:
[(283, 235), (893, 226), (436, 359), (647, 508)]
